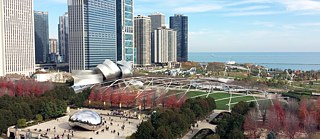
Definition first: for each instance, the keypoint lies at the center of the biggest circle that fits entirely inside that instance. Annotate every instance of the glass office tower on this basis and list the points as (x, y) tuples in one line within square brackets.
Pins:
[(179, 23), (92, 33), (41, 28), (125, 26)]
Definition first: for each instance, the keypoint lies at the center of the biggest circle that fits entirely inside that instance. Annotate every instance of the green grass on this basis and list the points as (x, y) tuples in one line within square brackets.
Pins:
[(217, 96), (221, 104), (244, 98), (195, 93)]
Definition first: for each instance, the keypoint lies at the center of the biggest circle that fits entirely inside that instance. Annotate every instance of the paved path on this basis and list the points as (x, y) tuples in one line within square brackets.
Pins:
[(62, 127), (203, 124)]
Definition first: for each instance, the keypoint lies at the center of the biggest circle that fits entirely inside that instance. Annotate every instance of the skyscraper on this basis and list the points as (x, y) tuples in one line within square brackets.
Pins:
[(179, 23), (17, 51), (63, 32), (92, 33), (41, 28), (53, 46), (125, 39), (142, 27), (165, 44), (157, 20)]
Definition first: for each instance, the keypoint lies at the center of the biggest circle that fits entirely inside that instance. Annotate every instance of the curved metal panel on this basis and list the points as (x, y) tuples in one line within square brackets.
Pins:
[(86, 119)]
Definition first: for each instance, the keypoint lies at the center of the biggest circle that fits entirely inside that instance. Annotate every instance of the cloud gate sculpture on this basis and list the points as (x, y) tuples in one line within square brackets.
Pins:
[(86, 119), (106, 71)]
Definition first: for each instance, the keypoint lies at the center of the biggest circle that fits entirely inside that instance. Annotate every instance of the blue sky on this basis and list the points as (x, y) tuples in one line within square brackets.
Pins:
[(230, 25)]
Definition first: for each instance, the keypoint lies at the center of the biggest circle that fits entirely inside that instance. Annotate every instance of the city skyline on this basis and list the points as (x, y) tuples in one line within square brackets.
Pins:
[(224, 26)]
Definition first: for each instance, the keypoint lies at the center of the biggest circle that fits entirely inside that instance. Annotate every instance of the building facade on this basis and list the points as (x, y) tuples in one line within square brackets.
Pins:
[(92, 33), (53, 46), (165, 44), (41, 28), (142, 27), (125, 29), (179, 23), (17, 47), (157, 20), (63, 34)]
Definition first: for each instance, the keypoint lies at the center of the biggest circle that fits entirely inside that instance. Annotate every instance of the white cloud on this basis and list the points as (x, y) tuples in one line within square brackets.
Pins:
[(198, 8), (301, 5), (249, 8), (265, 24), (252, 13)]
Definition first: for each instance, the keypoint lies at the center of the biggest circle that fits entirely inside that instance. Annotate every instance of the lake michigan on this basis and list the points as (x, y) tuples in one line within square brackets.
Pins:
[(279, 60)]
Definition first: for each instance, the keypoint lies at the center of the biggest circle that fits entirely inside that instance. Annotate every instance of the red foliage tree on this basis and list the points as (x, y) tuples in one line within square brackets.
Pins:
[(291, 123), (92, 95), (251, 123), (171, 101), (273, 122), (303, 111)]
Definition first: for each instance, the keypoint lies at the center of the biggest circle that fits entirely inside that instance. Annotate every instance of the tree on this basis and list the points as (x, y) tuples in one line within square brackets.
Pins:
[(145, 131), (291, 125), (22, 123), (303, 112), (39, 118), (251, 123), (164, 133), (214, 136), (241, 108)]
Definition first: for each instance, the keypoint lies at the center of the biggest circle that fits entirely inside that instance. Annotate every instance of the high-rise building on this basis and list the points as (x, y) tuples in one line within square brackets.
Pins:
[(17, 49), (165, 44), (41, 28), (53, 46), (92, 33), (63, 33), (142, 27), (179, 23), (125, 26), (157, 20)]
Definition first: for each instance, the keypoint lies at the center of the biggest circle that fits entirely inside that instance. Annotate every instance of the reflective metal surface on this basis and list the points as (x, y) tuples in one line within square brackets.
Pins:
[(86, 119), (108, 69)]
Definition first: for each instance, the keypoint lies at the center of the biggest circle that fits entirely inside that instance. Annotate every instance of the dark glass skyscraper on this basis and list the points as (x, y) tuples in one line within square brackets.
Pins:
[(63, 32), (92, 33), (179, 23), (125, 26), (41, 27)]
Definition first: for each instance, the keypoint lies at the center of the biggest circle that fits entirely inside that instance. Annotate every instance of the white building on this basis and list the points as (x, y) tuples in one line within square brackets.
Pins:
[(165, 45), (17, 48)]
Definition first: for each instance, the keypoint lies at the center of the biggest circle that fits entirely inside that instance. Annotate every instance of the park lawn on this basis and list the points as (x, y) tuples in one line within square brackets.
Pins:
[(244, 98), (195, 93), (222, 104), (221, 95)]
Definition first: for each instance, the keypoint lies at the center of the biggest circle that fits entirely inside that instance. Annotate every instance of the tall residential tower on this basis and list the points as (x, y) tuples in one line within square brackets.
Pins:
[(165, 45), (92, 33), (17, 50), (179, 23), (125, 26), (63, 33), (41, 28), (142, 27), (157, 20)]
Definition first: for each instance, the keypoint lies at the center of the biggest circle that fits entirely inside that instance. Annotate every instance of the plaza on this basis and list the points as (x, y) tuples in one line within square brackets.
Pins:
[(114, 127)]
